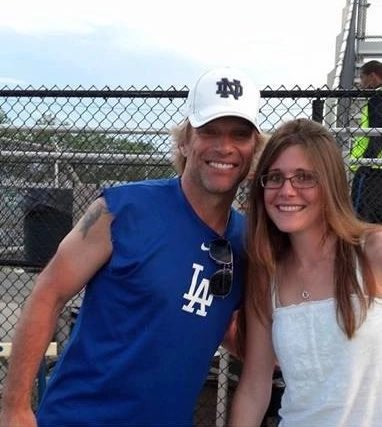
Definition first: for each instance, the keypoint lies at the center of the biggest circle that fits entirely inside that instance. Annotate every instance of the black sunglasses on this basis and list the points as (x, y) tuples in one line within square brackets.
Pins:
[(221, 281)]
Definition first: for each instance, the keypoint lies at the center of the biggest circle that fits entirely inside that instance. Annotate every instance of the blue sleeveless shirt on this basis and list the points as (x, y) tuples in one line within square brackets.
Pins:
[(148, 327)]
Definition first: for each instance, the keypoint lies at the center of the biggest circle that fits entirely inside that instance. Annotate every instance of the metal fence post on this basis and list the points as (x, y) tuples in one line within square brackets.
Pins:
[(318, 110), (222, 392)]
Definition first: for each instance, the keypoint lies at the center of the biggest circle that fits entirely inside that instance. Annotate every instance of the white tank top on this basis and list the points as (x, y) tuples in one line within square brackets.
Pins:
[(331, 381)]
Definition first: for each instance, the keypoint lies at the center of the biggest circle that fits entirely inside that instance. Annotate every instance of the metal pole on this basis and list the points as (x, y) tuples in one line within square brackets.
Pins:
[(222, 392)]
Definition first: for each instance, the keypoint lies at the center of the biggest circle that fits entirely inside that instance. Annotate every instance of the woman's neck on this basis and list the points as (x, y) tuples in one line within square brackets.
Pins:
[(307, 253)]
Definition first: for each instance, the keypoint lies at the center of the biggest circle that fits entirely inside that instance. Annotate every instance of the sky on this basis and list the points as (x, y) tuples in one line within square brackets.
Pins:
[(168, 43)]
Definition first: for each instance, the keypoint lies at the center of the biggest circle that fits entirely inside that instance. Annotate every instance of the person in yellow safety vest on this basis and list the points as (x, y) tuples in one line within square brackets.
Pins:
[(367, 182)]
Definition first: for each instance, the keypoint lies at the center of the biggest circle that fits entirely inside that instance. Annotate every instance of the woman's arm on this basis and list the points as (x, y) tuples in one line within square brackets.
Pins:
[(253, 393)]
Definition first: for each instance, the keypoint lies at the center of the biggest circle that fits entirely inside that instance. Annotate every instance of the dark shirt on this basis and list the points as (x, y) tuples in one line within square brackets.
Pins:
[(375, 121)]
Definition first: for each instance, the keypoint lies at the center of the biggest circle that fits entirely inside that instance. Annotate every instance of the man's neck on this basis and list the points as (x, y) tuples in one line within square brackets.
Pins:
[(213, 209)]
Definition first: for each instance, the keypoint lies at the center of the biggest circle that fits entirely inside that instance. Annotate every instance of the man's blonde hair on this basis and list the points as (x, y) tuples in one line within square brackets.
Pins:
[(180, 134)]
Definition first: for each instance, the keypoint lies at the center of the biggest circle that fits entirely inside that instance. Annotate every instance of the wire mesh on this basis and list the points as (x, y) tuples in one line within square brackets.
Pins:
[(58, 148)]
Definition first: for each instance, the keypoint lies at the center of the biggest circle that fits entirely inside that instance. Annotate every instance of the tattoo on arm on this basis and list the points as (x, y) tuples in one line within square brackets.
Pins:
[(90, 218)]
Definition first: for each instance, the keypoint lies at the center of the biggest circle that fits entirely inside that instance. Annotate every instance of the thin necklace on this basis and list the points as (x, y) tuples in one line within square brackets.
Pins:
[(305, 294)]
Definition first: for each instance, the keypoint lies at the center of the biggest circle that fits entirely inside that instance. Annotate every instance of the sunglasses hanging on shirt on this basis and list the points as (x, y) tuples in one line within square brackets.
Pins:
[(220, 251)]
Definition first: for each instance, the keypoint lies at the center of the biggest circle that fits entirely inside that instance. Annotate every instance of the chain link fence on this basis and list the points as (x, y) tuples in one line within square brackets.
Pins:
[(59, 147)]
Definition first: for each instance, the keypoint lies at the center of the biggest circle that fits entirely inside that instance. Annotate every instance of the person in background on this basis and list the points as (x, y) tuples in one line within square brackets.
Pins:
[(314, 291), (367, 181), (162, 264)]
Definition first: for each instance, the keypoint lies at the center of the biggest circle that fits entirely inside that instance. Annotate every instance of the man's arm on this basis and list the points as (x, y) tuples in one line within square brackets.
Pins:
[(81, 253), (230, 340)]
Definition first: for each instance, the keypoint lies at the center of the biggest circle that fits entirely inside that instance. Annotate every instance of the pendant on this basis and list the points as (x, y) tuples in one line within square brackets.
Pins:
[(305, 295)]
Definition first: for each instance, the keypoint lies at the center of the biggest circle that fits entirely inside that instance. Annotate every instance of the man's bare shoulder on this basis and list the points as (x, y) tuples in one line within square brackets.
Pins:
[(96, 215)]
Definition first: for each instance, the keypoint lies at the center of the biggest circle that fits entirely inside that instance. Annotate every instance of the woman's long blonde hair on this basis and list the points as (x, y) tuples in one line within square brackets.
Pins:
[(267, 245)]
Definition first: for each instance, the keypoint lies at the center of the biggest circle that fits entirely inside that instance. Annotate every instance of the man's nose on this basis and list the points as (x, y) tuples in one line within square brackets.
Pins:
[(225, 143)]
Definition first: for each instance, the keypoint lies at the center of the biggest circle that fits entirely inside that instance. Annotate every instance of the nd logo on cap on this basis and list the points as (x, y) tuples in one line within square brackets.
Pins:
[(222, 92), (227, 88)]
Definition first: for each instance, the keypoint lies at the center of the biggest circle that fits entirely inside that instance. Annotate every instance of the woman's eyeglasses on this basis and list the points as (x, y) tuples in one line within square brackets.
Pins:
[(221, 281), (275, 180)]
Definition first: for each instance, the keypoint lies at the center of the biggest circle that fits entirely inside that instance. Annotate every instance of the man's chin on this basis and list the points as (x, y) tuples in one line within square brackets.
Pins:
[(223, 189)]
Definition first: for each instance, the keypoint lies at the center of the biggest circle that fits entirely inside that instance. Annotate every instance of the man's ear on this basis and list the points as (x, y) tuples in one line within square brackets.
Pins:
[(183, 150), (374, 79)]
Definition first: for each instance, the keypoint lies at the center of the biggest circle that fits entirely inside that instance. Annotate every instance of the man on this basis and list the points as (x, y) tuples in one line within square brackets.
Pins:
[(367, 182), (163, 266)]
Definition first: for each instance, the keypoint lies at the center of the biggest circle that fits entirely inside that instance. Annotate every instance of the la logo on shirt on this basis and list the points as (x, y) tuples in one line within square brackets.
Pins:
[(198, 296)]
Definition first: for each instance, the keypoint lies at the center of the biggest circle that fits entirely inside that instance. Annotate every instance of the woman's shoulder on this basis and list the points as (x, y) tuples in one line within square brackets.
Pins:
[(373, 243), (373, 252)]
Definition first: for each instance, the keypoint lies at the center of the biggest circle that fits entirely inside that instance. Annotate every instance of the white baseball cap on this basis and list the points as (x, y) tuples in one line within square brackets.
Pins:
[(222, 92)]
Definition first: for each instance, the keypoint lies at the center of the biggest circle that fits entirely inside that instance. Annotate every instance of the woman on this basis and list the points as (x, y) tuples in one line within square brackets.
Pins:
[(314, 289)]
